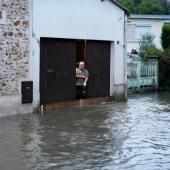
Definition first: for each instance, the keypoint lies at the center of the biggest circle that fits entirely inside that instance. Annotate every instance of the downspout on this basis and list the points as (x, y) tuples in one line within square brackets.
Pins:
[(32, 17), (125, 55), (39, 106)]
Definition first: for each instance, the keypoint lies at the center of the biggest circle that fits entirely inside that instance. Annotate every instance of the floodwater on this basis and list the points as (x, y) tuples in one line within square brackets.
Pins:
[(133, 135)]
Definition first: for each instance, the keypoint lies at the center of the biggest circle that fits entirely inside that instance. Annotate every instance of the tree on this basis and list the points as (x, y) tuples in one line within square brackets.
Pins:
[(146, 45), (146, 6), (166, 5), (149, 7), (128, 4)]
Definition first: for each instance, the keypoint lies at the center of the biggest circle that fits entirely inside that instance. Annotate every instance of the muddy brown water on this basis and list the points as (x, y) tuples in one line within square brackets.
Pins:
[(133, 135)]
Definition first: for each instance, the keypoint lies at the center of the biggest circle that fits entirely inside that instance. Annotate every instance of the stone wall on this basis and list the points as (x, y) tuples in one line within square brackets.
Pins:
[(14, 45)]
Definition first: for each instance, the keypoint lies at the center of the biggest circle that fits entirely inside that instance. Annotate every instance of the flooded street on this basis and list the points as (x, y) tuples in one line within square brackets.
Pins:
[(134, 135)]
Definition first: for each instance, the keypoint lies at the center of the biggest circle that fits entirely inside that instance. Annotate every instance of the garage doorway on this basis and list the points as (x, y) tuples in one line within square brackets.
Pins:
[(57, 70), (97, 61), (58, 61)]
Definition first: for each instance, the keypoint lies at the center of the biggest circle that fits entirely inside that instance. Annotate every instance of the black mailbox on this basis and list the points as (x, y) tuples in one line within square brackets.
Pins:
[(27, 91)]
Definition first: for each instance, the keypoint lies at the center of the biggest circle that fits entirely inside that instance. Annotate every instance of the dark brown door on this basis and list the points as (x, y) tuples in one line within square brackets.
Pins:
[(98, 64), (57, 70)]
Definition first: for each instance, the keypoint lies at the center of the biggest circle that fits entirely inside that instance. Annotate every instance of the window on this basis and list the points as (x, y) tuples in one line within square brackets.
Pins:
[(167, 23), (131, 32), (141, 30)]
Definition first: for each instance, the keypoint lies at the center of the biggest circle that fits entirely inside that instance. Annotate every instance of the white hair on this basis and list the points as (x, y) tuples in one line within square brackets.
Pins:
[(82, 62)]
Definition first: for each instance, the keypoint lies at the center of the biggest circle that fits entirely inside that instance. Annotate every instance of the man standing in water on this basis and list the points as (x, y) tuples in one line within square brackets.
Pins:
[(82, 75)]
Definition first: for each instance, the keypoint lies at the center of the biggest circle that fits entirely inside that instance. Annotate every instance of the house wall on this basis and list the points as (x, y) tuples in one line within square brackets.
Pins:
[(28, 20), (14, 54), (79, 19), (156, 30)]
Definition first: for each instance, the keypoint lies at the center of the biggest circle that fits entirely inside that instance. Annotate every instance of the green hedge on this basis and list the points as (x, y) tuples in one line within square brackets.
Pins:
[(164, 70), (165, 37)]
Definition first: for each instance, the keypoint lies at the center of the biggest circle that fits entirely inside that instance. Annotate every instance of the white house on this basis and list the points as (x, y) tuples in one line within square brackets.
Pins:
[(56, 35), (142, 24)]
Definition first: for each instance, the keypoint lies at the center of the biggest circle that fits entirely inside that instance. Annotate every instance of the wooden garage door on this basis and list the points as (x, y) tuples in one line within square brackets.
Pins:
[(98, 63), (57, 70)]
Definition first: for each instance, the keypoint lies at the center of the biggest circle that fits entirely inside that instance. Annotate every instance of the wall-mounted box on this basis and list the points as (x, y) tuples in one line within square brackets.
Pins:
[(27, 91)]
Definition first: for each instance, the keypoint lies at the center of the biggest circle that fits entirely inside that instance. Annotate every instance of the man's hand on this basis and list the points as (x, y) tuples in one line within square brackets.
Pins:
[(84, 84)]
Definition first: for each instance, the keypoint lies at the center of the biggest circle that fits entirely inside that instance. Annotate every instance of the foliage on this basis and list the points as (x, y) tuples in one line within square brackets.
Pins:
[(149, 7), (165, 37), (146, 45), (129, 4), (153, 53), (164, 69), (146, 6)]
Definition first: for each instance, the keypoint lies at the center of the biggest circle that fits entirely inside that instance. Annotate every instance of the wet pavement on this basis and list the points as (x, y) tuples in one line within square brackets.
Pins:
[(134, 135)]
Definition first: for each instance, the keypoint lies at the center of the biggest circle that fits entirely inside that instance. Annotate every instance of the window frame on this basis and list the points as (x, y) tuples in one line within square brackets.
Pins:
[(137, 37)]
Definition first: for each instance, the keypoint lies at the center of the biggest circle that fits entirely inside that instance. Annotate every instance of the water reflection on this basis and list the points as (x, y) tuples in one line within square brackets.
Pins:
[(132, 135)]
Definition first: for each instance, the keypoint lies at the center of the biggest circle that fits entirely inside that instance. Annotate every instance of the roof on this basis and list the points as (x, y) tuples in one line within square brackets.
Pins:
[(153, 17), (120, 6)]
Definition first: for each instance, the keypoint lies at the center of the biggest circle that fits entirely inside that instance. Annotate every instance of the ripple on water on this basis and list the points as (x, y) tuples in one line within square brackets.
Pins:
[(116, 136)]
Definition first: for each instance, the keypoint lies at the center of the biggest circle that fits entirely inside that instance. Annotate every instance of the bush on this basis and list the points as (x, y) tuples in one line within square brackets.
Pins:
[(164, 70), (152, 53), (165, 37)]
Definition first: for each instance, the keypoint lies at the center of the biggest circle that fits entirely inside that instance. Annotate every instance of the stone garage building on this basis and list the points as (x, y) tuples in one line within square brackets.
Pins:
[(14, 54), (41, 41)]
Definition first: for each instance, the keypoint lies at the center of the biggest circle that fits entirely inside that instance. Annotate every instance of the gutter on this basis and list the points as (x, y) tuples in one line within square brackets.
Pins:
[(149, 17)]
